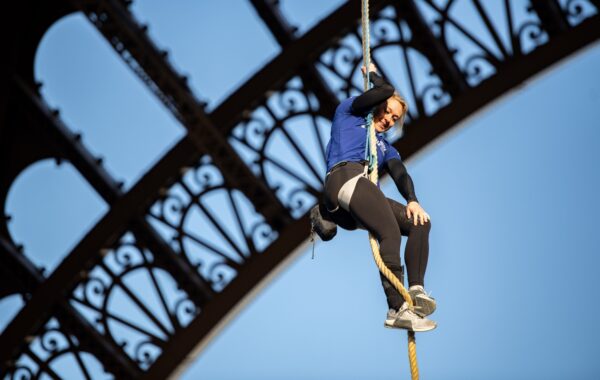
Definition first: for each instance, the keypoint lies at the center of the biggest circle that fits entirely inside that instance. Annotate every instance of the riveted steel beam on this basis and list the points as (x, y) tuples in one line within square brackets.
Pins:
[(129, 39), (511, 74), (70, 147), (285, 34), (303, 50), (182, 349), (83, 257), (127, 211), (23, 272), (438, 55), (128, 206)]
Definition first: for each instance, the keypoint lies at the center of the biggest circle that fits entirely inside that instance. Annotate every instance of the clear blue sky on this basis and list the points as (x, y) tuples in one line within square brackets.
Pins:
[(512, 193)]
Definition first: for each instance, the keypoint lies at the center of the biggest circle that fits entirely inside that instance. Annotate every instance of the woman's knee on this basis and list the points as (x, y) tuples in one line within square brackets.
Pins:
[(421, 228)]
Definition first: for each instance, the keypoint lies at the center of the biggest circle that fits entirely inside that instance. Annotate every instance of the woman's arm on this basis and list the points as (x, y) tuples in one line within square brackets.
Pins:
[(406, 187), (402, 179), (380, 91)]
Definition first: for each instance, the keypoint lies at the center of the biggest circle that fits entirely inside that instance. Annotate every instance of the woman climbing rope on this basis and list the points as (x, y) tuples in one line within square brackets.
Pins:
[(352, 201)]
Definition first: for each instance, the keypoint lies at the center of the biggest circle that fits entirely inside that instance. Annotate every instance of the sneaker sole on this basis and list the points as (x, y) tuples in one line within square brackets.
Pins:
[(424, 306), (423, 329)]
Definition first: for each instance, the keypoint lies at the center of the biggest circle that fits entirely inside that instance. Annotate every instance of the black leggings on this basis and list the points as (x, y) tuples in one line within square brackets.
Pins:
[(386, 220)]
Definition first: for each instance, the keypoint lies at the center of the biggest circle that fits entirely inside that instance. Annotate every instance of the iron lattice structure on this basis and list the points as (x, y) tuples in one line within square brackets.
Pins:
[(451, 72)]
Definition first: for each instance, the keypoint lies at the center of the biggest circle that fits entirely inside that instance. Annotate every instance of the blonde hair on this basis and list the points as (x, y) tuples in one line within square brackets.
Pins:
[(396, 96), (381, 109)]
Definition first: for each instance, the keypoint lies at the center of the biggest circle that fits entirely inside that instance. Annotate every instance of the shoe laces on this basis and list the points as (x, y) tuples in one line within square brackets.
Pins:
[(407, 309), (421, 290)]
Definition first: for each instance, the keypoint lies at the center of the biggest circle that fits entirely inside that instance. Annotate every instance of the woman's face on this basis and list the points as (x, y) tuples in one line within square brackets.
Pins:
[(388, 116)]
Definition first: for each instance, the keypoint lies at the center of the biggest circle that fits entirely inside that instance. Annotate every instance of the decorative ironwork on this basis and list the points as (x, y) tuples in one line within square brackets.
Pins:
[(479, 43), (392, 45), (130, 41), (55, 354), (132, 301), (141, 298), (213, 226), (577, 11), (284, 142), (101, 15)]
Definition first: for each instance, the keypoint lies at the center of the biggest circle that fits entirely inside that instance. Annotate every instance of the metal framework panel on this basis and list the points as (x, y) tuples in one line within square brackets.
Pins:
[(198, 279)]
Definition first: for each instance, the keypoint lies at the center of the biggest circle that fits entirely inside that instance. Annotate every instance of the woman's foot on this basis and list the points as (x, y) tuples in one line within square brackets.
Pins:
[(407, 319), (424, 303)]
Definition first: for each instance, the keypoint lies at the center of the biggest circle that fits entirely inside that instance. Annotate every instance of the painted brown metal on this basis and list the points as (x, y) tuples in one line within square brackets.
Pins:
[(23, 272), (285, 34), (116, 23), (207, 147)]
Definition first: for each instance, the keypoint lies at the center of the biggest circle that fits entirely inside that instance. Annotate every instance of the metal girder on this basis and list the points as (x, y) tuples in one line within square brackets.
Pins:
[(284, 33), (423, 132), (513, 74), (17, 269), (69, 145), (74, 266), (56, 287), (438, 55), (23, 272), (20, 146), (117, 24), (128, 208), (269, 12), (303, 50), (186, 344), (65, 144), (551, 16)]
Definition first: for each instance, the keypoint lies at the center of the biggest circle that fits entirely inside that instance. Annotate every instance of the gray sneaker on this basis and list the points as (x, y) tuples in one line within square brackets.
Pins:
[(424, 303), (408, 320)]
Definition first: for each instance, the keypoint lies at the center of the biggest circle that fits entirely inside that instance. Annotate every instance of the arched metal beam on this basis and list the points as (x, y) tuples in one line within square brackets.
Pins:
[(131, 42), (39, 308), (184, 346), (285, 34), (417, 136), (307, 48), (511, 75), (24, 273), (137, 200)]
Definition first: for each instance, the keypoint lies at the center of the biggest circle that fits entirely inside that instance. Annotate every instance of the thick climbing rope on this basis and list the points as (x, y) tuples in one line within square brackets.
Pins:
[(374, 177)]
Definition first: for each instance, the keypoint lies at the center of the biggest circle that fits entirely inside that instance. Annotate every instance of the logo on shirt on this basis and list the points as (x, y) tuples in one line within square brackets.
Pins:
[(381, 146)]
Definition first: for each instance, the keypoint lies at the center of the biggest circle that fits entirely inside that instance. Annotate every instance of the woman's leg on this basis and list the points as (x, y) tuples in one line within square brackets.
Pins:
[(416, 253), (370, 208)]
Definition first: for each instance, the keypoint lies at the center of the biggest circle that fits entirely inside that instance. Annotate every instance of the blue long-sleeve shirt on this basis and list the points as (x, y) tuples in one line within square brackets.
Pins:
[(349, 137)]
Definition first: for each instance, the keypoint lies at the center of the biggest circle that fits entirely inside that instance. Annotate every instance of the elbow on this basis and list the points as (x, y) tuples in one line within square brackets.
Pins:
[(388, 89)]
